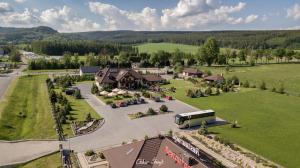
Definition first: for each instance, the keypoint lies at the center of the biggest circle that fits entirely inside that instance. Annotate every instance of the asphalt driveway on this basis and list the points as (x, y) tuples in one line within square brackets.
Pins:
[(119, 128)]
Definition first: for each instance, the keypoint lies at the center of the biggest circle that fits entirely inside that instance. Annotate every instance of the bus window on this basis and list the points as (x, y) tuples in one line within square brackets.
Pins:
[(178, 120)]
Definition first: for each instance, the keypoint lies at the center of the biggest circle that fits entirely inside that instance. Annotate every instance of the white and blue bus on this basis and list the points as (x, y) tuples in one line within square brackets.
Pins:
[(186, 120)]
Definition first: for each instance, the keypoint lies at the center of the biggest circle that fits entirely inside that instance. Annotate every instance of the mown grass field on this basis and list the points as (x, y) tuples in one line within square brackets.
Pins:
[(29, 96), (169, 47), (50, 161), (269, 121), (274, 75), (80, 109)]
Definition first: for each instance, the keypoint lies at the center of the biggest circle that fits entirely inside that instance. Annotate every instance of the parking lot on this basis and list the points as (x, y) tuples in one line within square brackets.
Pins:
[(119, 128)]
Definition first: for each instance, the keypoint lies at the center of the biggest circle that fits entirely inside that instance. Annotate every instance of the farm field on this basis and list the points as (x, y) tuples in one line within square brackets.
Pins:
[(169, 47), (25, 110), (80, 108), (50, 161), (273, 75), (268, 120)]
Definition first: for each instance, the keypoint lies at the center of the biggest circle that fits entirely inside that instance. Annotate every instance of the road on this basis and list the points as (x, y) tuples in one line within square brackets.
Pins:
[(6, 79), (119, 128), (20, 152)]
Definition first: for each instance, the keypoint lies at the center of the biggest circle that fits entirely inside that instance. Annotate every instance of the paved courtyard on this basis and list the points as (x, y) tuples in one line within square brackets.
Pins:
[(119, 128)]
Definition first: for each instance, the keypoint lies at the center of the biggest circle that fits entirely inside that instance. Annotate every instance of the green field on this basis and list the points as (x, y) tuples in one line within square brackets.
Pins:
[(273, 75), (269, 121), (80, 108), (170, 47), (51, 161), (29, 97)]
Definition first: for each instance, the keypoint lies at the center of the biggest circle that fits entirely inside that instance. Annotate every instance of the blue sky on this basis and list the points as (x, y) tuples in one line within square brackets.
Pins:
[(194, 15)]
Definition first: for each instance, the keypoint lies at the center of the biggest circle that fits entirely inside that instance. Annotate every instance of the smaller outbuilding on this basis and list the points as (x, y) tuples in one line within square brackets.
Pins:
[(192, 72), (151, 79), (215, 78), (88, 70)]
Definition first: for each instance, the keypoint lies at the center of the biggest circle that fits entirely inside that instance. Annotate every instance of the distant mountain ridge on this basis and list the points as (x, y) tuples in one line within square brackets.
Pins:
[(234, 39), (24, 35)]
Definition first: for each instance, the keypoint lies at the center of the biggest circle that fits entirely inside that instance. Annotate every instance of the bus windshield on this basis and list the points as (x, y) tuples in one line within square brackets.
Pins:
[(178, 120)]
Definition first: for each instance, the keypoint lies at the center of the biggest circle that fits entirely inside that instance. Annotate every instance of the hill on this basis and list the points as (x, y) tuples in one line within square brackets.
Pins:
[(231, 39), (24, 35)]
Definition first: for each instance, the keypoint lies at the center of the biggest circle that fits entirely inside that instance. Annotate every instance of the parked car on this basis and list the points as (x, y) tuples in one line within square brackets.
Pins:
[(113, 105), (71, 91), (141, 100), (169, 97), (156, 99), (129, 102), (121, 104), (134, 101)]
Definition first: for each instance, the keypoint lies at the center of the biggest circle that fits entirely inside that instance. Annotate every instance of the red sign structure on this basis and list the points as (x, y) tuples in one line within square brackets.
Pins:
[(175, 157)]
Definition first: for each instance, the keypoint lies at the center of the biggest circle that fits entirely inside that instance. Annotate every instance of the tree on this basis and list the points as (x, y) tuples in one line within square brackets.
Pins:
[(15, 55), (203, 128), (263, 86), (67, 59), (297, 56), (242, 55), (246, 84), (53, 97), (289, 55), (94, 89), (208, 91), (178, 67), (221, 60), (88, 117), (227, 54), (233, 56), (163, 108), (77, 94), (209, 52), (279, 53), (150, 111), (177, 56)]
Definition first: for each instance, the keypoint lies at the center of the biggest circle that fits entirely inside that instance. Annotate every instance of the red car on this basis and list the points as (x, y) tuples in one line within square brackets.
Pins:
[(121, 104), (169, 97)]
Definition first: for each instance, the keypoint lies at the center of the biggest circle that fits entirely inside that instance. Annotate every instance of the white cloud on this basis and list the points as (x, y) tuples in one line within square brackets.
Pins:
[(20, 18), (63, 20), (251, 18), (5, 7), (186, 15), (116, 18), (20, 1), (294, 12), (209, 15)]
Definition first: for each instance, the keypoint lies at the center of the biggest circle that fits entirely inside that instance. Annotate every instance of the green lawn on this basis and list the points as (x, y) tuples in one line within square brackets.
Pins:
[(52, 70), (80, 108), (273, 75), (51, 161), (29, 96), (170, 47), (269, 121)]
